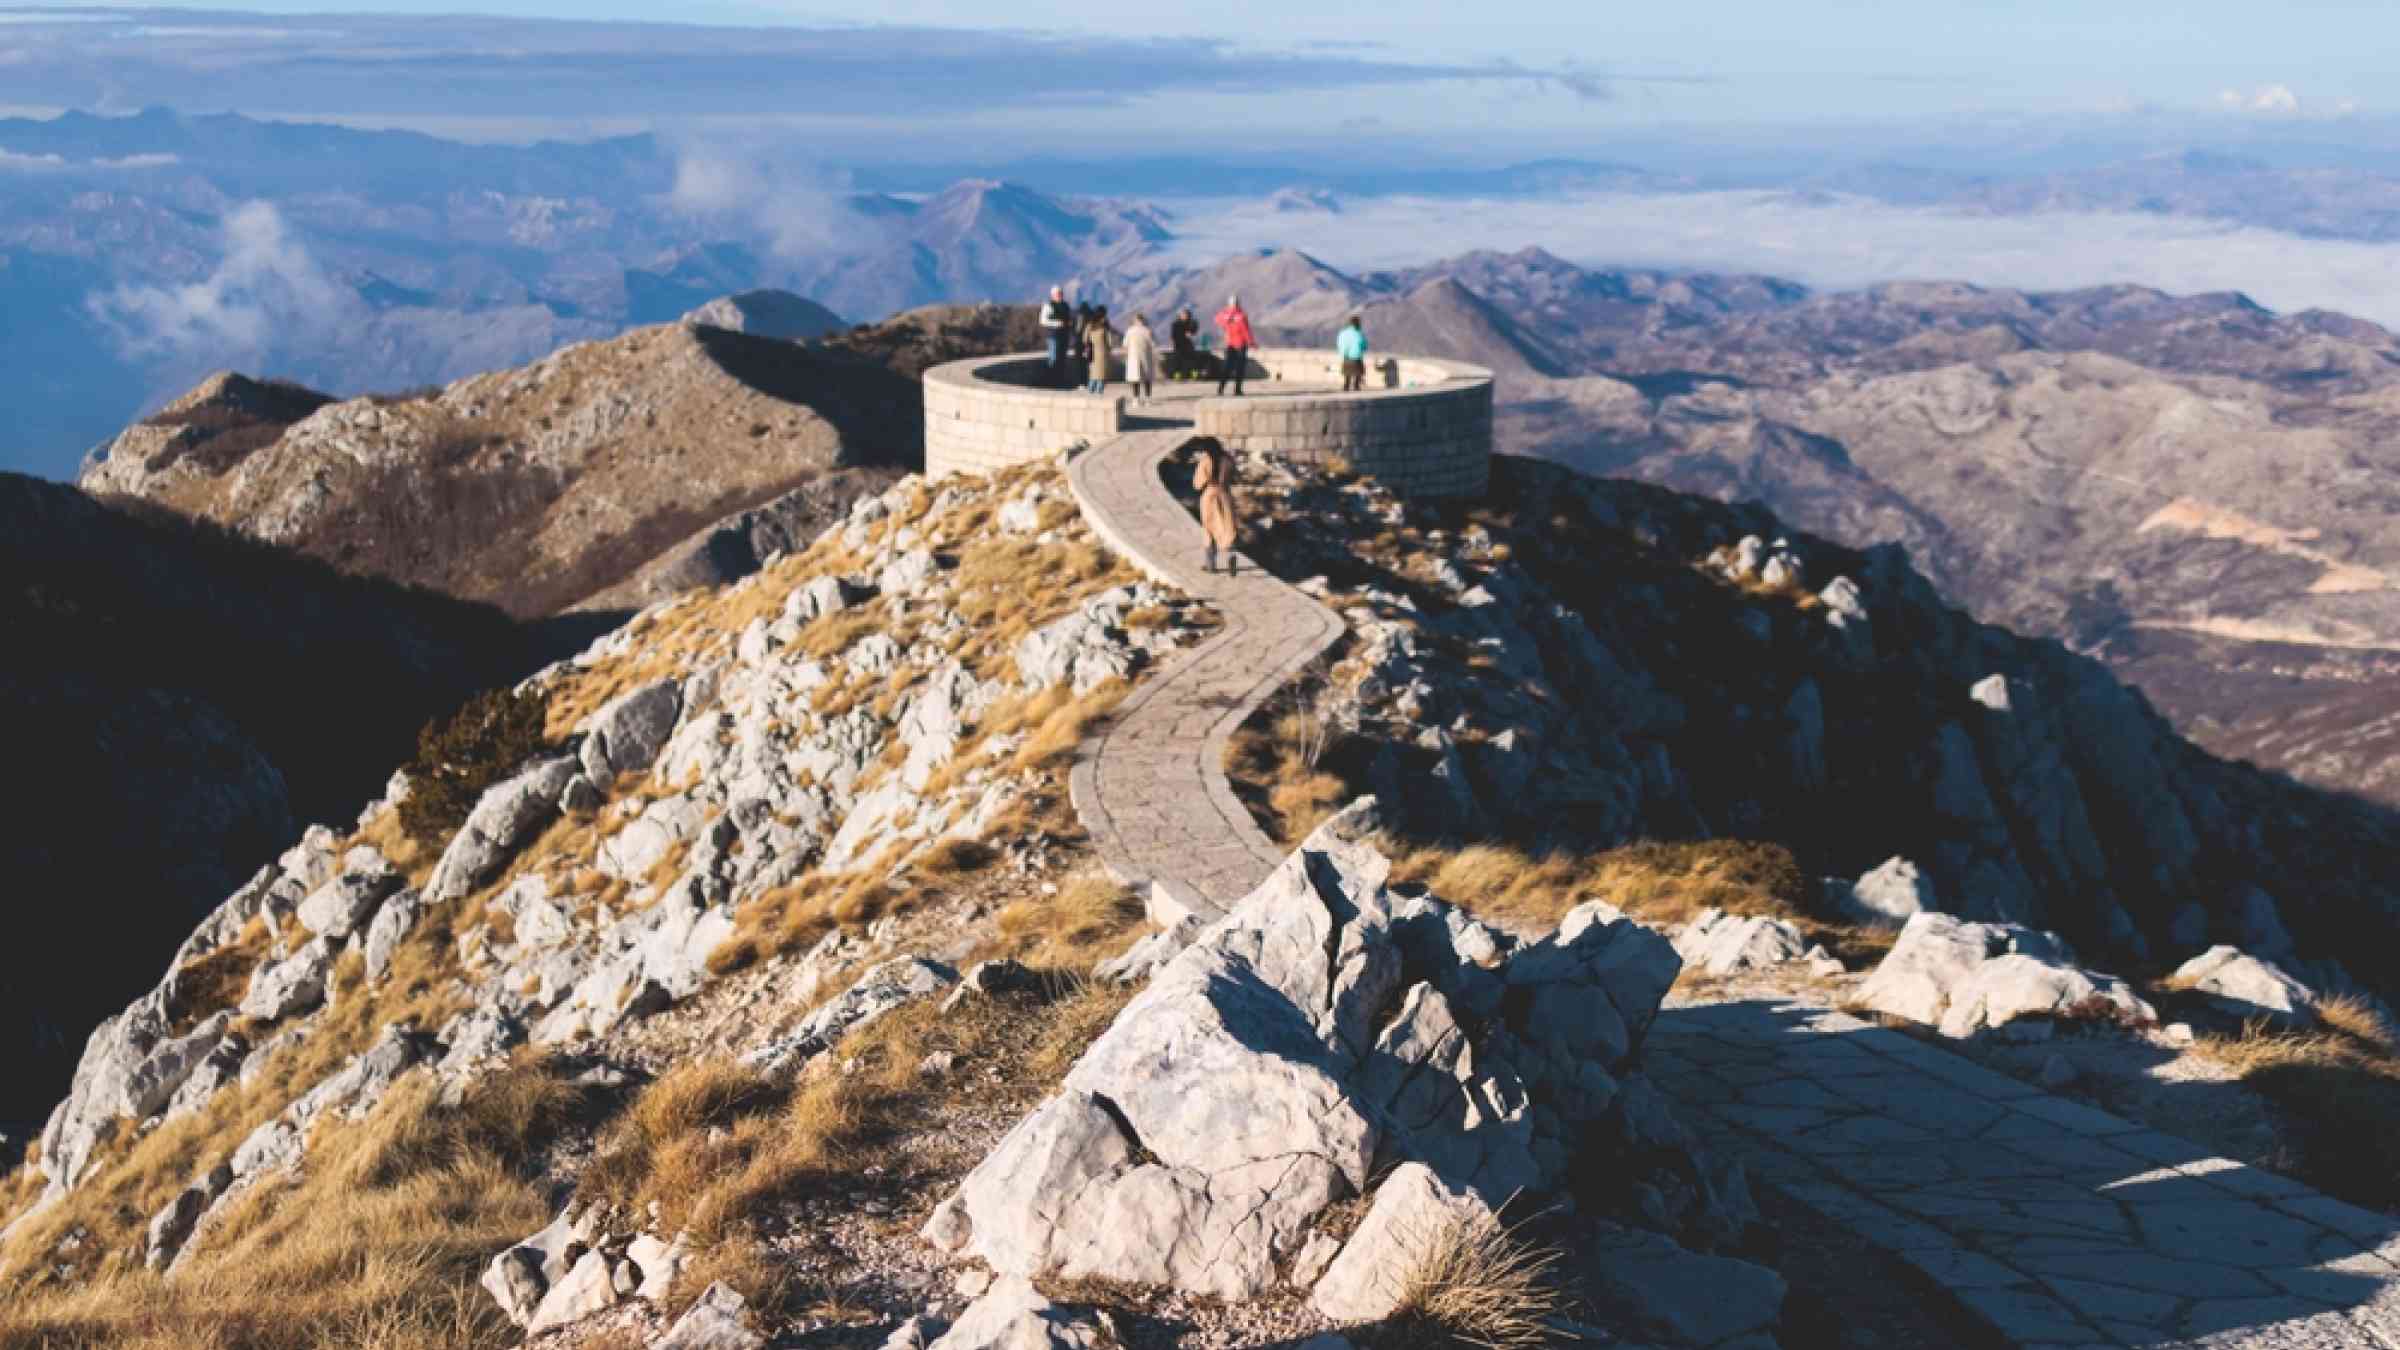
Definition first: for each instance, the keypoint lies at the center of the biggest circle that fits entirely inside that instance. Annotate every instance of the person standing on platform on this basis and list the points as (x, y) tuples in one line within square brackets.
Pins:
[(1183, 340), (1236, 326), (1058, 324), (1351, 345), (1095, 341), (1141, 356)]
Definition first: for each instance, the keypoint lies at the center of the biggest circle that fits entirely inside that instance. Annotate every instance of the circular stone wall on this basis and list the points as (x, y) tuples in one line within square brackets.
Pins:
[(992, 413), (1421, 426)]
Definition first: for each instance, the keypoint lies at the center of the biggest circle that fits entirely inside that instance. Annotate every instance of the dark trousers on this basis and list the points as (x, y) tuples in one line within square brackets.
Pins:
[(1058, 356), (1236, 368), (1354, 376)]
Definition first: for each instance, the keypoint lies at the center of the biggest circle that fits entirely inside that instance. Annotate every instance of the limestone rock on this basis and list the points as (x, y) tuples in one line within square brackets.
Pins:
[(2246, 986), (520, 1277), (1013, 1315), (393, 922), (626, 736), (1966, 977), (1717, 943), (882, 989), (1887, 897), (506, 814), (590, 1286), (719, 1321), (1413, 1210), (294, 984), (337, 908), (1323, 1023)]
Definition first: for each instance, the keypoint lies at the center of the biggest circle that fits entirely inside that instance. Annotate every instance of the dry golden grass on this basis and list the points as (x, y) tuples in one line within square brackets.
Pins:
[(720, 1150), (407, 854), (376, 1247), (1065, 720), (1090, 919), (1476, 1283), (215, 981), (2337, 1090), (1656, 883)]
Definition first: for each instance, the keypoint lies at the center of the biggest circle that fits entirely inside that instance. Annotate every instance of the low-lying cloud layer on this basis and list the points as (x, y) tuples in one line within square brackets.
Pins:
[(1830, 242), (267, 294)]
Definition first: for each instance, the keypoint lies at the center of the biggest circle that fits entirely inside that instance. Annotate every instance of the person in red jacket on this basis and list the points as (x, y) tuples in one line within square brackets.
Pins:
[(1236, 327)]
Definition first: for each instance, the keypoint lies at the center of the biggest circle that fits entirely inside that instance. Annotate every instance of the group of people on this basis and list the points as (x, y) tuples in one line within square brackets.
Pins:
[(1080, 340)]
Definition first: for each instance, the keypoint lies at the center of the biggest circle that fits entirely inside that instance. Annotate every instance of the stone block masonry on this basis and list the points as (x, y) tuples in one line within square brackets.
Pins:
[(993, 413), (1423, 427)]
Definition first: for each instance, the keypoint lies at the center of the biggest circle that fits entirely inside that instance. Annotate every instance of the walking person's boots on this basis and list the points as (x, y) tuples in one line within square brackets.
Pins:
[(1211, 564)]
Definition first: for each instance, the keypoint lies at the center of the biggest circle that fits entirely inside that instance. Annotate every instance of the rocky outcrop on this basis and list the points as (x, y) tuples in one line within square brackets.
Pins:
[(1844, 711), (1965, 978), (1323, 1027), (2246, 986), (506, 814)]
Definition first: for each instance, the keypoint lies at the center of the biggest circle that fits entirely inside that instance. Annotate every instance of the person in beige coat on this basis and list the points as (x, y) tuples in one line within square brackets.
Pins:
[(1141, 356), (1214, 478), (1096, 337)]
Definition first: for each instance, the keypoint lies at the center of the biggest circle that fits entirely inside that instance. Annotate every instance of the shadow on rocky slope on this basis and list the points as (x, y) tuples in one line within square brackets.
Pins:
[(178, 700), (1580, 663)]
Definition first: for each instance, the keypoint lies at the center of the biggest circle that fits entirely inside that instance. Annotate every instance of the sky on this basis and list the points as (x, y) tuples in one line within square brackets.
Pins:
[(1537, 75)]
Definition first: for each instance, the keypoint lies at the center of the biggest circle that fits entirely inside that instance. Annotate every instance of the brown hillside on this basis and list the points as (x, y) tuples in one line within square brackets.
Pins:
[(533, 488)]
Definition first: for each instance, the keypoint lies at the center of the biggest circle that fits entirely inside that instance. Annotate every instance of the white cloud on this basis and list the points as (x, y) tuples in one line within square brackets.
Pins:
[(796, 208), (10, 159), (2268, 100), (1829, 242), (266, 295)]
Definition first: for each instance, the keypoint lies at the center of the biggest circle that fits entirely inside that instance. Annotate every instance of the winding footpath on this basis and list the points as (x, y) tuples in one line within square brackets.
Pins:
[(2052, 1224), (1151, 788)]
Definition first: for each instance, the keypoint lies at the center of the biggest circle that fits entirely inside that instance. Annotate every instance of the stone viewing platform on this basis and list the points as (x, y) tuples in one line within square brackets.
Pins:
[(1422, 426)]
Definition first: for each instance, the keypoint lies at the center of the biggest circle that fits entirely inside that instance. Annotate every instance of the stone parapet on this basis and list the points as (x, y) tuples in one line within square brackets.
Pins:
[(991, 413), (1421, 426)]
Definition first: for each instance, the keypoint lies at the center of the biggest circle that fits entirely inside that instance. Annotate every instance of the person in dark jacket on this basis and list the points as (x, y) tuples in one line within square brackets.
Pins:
[(1183, 339)]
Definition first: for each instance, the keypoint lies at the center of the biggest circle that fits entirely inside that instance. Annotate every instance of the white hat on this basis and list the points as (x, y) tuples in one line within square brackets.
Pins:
[(1233, 302)]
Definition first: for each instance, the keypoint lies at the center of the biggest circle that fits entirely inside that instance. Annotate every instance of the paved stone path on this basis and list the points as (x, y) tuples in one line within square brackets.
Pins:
[(1151, 788), (2057, 1224)]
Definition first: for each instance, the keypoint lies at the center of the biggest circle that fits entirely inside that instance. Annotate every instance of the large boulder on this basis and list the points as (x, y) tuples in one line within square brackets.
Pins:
[(1413, 1213), (2246, 986), (1322, 1026), (1887, 897), (507, 813), (626, 736), (1968, 977), (294, 984), (337, 908)]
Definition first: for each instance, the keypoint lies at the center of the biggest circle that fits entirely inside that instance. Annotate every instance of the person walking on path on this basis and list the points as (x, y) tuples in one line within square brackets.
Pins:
[(1351, 345), (1058, 321), (1095, 340), (1236, 326), (1141, 356), (1183, 337), (1214, 478)]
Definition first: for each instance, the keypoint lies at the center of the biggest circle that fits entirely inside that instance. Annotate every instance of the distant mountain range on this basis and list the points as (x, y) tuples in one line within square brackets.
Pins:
[(140, 253)]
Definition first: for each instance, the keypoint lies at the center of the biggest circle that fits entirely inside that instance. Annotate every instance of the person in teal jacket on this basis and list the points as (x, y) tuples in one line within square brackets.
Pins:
[(1351, 345)]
